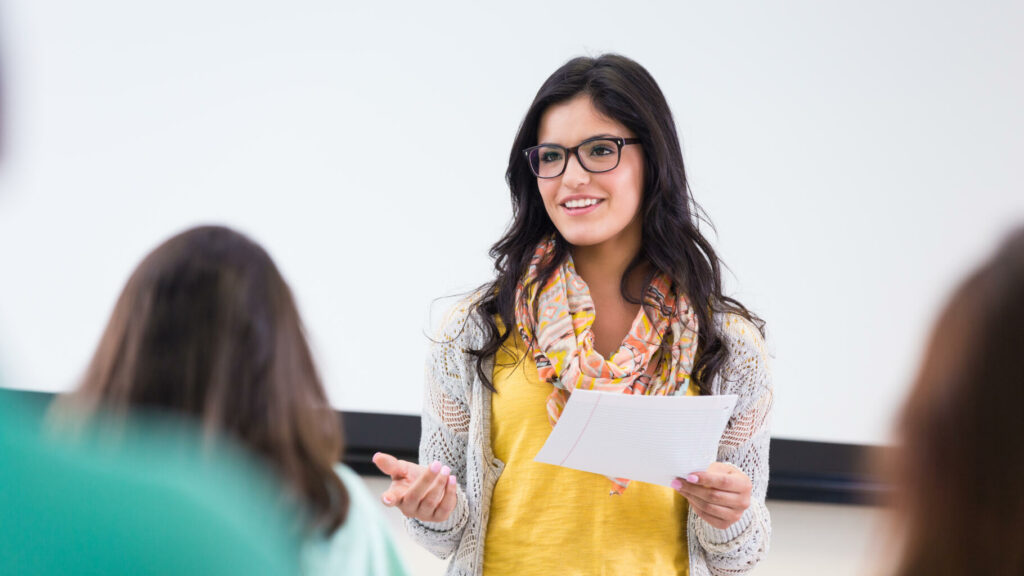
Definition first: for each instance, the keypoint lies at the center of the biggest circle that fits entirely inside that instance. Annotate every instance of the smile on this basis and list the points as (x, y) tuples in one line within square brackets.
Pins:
[(580, 206), (580, 203)]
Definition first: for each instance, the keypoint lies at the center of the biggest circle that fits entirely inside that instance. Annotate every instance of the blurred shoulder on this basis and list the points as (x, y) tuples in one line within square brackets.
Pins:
[(350, 478)]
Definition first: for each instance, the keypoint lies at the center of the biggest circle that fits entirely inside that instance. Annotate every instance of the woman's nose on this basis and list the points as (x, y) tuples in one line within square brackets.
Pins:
[(574, 174)]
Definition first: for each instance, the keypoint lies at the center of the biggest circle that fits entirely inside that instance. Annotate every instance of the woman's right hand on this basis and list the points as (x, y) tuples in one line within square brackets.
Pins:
[(421, 492)]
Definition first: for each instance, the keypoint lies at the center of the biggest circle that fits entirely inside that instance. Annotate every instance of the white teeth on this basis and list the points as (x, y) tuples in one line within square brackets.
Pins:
[(583, 203)]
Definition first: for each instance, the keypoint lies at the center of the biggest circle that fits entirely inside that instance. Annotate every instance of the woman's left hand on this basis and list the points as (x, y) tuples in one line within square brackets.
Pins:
[(719, 495)]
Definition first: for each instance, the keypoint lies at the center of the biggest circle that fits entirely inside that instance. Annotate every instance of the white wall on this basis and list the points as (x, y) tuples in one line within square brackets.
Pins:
[(855, 157)]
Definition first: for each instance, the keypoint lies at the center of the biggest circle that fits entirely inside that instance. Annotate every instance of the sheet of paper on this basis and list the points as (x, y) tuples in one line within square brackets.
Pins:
[(647, 438)]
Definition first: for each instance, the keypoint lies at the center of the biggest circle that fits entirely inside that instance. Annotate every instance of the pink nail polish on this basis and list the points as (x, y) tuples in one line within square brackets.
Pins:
[(677, 484), (692, 479), (446, 470), (387, 500), (451, 480), (435, 466)]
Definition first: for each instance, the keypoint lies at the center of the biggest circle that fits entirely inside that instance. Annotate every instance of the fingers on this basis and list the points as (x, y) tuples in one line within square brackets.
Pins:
[(392, 495), (719, 509), (719, 495), (723, 477), (711, 517), (435, 494), (402, 474), (390, 465), (432, 496), (451, 492), (714, 496), (419, 488)]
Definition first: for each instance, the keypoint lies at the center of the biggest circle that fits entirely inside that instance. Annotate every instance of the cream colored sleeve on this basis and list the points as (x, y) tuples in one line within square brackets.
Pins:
[(445, 431), (747, 373)]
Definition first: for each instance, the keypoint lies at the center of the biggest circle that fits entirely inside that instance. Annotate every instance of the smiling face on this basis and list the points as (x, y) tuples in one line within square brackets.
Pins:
[(592, 210)]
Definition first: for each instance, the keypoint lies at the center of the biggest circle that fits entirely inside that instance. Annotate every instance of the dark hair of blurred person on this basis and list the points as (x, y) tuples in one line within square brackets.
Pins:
[(207, 327), (959, 465)]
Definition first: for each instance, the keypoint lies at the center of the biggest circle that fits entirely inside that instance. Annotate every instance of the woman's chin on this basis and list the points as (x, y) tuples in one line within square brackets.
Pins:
[(581, 239)]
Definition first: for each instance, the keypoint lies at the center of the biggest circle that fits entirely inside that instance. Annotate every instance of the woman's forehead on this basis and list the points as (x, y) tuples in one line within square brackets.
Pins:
[(569, 123)]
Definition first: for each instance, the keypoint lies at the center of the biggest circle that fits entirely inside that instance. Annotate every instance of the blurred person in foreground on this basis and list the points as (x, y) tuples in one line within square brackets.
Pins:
[(207, 328), (152, 502), (144, 498), (959, 463)]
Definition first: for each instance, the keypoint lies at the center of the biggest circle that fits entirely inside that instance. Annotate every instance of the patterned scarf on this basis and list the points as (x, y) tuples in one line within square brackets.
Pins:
[(555, 320)]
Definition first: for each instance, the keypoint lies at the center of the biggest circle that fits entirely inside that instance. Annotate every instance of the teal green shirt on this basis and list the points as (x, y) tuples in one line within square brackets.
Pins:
[(151, 503), (363, 544)]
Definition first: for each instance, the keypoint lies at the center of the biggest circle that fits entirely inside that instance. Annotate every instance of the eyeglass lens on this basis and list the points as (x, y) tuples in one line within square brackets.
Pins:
[(548, 161)]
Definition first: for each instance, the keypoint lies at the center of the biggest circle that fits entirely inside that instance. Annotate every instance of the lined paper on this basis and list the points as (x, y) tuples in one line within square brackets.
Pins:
[(645, 438)]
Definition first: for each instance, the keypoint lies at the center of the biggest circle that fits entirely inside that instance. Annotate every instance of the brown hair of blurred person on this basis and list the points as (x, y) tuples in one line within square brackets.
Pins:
[(207, 327), (959, 466)]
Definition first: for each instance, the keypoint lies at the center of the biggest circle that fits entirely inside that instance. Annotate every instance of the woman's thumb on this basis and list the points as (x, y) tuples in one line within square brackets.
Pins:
[(389, 465)]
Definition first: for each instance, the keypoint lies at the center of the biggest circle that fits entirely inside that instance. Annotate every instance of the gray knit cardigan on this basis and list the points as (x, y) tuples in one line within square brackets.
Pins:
[(457, 431)]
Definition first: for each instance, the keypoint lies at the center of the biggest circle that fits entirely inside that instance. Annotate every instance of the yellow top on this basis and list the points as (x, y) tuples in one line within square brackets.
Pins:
[(546, 519)]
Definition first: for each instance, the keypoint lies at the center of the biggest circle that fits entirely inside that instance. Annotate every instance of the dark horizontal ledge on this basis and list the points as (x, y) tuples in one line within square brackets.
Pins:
[(800, 470)]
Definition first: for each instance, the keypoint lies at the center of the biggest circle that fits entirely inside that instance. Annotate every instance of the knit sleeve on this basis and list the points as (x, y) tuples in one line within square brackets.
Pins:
[(445, 429), (738, 548)]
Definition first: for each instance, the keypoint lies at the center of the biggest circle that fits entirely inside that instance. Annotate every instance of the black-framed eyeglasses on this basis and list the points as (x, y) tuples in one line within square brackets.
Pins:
[(595, 155)]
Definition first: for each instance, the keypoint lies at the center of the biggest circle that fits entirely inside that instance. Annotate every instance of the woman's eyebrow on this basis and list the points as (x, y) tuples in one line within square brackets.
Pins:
[(601, 135)]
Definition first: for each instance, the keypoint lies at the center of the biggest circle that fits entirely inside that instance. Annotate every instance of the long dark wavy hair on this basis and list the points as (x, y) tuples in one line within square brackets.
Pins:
[(207, 328), (672, 243), (958, 464)]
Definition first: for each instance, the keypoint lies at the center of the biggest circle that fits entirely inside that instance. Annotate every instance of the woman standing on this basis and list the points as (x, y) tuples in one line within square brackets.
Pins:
[(604, 282)]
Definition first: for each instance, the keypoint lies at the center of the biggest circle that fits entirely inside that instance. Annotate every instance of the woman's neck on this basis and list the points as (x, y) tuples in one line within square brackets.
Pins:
[(602, 267)]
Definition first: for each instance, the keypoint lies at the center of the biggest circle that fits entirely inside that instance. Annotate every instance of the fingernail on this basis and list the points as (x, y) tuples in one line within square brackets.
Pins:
[(375, 454), (386, 500), (677, 484), (692, 479), (435, 466), (446, 470), (451, 480)]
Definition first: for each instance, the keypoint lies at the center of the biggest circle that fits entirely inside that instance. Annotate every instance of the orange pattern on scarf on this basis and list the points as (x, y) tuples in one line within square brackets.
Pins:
[(555, 321)]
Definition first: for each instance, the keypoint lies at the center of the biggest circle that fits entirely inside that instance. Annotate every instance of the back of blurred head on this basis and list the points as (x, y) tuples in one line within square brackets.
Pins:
[(207, 327), (960, 463)]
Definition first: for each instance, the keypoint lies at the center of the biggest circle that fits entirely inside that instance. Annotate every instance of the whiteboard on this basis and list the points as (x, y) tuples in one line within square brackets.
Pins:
[(855, 159)]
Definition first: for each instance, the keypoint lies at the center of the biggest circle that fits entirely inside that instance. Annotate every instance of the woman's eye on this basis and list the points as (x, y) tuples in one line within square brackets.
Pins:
[(548, 156), (601, 150)]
